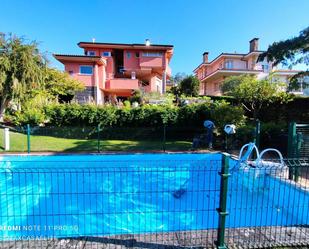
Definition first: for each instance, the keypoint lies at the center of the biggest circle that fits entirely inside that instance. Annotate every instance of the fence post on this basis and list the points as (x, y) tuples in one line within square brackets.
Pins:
[(98, 131), (291, 146), (164, 137), (6, 138), (257, 133), (28, 138), (224, 174), (298, 144)]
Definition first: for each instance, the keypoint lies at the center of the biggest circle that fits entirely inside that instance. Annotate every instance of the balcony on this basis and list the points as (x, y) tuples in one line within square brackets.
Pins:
[(122, 83), (225, 71), (153, 62)]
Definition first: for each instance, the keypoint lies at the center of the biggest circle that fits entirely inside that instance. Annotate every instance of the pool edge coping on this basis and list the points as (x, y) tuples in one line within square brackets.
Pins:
[(137, 152)]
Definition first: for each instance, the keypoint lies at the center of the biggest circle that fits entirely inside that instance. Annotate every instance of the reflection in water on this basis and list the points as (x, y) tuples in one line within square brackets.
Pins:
[(138, 198), (134, 199), (20, 196)]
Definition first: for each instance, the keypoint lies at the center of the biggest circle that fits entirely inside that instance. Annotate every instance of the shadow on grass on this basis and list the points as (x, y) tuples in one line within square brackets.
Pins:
[(45, 143), (125, 145)]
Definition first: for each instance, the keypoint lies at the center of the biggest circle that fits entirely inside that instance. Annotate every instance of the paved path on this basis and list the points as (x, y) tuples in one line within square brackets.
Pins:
[(265, 237)]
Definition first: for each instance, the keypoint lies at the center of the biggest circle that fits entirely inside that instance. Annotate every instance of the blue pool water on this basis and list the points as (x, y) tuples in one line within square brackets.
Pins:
[(65, 196)]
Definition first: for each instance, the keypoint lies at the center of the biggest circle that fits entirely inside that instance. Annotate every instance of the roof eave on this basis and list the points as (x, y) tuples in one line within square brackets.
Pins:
[(79, 58), (227, 55), (134, 45)]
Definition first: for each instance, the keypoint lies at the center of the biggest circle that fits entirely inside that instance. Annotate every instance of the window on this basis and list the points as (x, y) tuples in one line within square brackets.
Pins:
[(265, 68), (91, 53), (228, 64), (128, 55), (106, 54), (137, 54), (152, 54), (86, 70)]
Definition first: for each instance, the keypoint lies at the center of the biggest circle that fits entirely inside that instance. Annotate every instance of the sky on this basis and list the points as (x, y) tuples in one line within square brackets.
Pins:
[(192, 26)]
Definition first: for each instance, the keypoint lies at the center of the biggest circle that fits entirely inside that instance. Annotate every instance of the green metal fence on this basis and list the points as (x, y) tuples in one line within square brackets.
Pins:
[(257, 133), (224, 204), (99, 139), (266, 209), (298, 144)]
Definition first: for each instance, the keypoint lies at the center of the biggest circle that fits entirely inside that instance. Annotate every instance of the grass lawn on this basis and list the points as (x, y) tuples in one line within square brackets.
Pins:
[(18, 143)]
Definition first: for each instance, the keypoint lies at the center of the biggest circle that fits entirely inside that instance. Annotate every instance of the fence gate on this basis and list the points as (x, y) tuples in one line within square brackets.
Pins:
[(298, 144)]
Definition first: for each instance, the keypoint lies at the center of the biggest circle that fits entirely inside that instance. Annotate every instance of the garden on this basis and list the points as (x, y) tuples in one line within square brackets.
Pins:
[(71, 127), (38, 105)]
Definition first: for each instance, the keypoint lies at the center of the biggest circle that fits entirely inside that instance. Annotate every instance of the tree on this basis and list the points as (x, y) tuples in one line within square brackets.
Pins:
[(60, 85), (189, 86), (290, 52), (25, 77), (252, 93), (177, 78), (21, 69)]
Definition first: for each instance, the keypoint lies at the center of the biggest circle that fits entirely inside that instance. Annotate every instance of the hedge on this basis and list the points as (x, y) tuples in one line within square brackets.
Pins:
[(296, 110), (145, 116)]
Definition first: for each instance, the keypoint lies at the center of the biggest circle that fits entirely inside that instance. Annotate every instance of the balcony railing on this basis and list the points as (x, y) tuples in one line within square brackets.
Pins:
[(122, 83), (151, 61), (203, 76)]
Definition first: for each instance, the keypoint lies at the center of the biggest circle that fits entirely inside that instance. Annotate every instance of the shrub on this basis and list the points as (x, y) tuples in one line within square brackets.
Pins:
[(157, 98), (223, 113), (29, 116), (136, 97), (127, 104)]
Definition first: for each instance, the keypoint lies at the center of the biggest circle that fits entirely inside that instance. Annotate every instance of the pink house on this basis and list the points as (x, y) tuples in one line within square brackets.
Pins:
[(115, 69), (212, 73)]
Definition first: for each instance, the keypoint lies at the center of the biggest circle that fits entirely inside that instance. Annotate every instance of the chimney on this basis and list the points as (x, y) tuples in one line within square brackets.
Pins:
[(205, 57), (147, 42), (254, 45)]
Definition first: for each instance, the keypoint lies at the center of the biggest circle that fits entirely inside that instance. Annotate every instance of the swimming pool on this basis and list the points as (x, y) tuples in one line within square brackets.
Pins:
[(92, 195)]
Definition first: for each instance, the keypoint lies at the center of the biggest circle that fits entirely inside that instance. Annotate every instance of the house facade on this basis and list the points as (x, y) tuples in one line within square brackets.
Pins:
[(115, 70), (211, 74)]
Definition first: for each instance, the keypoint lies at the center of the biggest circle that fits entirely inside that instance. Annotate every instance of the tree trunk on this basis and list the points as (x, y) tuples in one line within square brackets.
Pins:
[(3, 104)]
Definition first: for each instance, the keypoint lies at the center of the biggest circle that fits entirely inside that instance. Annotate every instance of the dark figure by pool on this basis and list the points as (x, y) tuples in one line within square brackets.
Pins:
[(205, 139), (210, 126)]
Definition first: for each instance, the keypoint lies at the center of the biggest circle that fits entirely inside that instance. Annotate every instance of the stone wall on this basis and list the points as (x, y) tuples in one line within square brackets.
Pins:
[(86, 96)]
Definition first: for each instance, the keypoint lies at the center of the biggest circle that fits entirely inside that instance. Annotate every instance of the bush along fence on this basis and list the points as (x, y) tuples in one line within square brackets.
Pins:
[(155, 203)]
